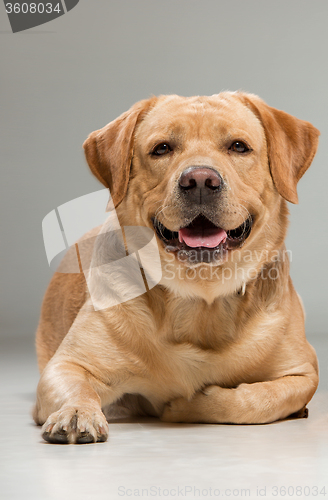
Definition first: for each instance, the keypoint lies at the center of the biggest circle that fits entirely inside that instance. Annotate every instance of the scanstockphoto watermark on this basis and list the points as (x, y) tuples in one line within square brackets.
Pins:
[(118, 263), (240, 255), (183, 492), (25, 14), (248, 266), (123, 263), (281, 491)]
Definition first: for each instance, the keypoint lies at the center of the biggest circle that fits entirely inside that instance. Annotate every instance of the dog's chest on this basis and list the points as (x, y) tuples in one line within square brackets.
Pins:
[(205, 327), (201, 345), (192, 341), (189, 345)]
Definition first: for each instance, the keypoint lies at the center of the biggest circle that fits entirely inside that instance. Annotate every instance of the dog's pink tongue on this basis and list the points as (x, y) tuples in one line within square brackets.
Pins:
[(209, 237)]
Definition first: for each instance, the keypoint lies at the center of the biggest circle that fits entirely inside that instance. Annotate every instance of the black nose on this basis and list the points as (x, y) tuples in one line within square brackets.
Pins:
[(200, 183)]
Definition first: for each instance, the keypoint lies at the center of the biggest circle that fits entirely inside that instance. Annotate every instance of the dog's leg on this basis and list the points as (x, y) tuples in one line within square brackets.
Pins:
[(258, 403), (69, 401)]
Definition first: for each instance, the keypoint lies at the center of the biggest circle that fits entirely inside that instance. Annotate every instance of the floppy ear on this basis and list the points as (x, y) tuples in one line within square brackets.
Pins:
[(292, 144), (109, 150)]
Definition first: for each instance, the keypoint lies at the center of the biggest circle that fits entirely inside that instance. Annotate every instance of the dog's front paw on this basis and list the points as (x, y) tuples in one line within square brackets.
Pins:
[(75, 425)]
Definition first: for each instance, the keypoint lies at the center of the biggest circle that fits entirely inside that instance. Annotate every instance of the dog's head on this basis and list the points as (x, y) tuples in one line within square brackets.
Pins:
[(209, 174)]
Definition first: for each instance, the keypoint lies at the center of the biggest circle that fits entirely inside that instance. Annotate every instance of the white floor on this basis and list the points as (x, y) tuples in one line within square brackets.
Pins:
[(150, 459)]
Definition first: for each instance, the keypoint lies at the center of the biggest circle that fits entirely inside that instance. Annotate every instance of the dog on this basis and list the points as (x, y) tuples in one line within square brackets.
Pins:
[(220, 339)]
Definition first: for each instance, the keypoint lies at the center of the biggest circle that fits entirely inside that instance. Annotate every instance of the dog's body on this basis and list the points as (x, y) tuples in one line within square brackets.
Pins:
[(221, 338)]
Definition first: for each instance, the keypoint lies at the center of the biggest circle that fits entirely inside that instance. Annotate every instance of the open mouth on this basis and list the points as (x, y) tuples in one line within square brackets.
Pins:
[(203, 241)]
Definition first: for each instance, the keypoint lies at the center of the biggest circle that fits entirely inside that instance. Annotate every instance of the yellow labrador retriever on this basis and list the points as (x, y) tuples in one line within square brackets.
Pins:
[(221, 338)]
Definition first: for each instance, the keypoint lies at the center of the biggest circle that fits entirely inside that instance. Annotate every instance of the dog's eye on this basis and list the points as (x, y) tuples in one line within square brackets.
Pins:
[(239, 147), (161, 149)]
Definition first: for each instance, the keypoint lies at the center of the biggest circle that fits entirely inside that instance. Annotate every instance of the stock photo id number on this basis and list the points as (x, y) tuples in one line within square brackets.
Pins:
[(28, 14)]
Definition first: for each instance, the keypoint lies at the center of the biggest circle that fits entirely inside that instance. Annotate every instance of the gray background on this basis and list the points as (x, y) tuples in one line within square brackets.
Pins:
[(59, 82), (62, 80)]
